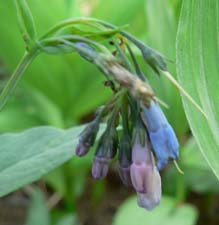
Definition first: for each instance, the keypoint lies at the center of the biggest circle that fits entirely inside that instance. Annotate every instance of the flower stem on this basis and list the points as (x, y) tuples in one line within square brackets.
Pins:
[(15, 77), (180, 190)]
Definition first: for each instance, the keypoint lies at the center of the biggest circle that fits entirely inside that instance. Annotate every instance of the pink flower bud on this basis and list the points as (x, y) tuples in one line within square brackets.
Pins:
[(124, 173), (100, 167), (151, 198)]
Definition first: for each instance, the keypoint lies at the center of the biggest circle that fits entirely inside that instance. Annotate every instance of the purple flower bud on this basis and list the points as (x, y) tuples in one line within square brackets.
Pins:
[(125, 160), (81, 149), (152, 198), (124, 173), (162, 135), (100, 167), (87, 138), (106, 150)]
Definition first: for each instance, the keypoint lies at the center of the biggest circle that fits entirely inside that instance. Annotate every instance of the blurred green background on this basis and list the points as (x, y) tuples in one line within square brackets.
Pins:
[(64, 91)]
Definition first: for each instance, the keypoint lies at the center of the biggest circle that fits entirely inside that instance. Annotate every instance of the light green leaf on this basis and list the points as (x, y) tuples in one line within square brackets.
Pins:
[(118, 12), (67, 220), (26, 21), (197, 176), (197, 170), (27, 156), (38, 211), (166, 213), (197, 59)]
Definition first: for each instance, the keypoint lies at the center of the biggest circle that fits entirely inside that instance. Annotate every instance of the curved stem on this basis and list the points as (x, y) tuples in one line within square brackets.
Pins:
[(68, 22), (15, 77)]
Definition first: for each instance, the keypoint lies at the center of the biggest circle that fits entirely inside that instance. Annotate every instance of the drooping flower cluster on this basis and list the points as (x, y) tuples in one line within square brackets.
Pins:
[(146, 141), (136, 129)]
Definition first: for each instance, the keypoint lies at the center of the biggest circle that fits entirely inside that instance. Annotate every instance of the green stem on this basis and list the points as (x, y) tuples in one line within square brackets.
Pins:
[(137, 67), (124, 57), (180, 190), (112, 120), (124, 112), (15, 77), (65, 23)]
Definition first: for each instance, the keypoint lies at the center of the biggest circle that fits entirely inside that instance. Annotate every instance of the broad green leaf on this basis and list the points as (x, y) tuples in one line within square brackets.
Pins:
[(197, 170), (67, 220), (197, 58), (38, 212), (166, 213), (27, 156), (48, 111), (17, 116), (28, 107), (119, 12)]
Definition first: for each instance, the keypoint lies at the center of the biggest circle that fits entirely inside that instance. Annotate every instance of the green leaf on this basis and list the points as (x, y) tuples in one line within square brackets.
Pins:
[(27, 156), (67, 220), (166, 213), (17, 116), (123, 11), (197, 170), (38, 211), (197, 59), (26, 21), (47, 110)]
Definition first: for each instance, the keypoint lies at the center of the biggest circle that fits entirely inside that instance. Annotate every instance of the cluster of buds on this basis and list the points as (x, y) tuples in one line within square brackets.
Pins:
[(146, 141)]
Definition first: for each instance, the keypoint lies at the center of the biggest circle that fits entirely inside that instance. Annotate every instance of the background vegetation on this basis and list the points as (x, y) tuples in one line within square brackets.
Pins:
[(63, 92)]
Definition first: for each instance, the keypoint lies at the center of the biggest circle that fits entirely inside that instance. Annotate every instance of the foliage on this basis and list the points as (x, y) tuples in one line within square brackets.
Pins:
[(197, 55), (63, 91)]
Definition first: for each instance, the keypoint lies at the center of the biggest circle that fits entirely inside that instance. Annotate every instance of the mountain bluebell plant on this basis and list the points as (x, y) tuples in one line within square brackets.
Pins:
[(146, 141), (139, 165)]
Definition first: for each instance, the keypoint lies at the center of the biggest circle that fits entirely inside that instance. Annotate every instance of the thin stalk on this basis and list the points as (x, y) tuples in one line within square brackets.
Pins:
[(76, 38), (186, 94), (180, 190), (124, 114), (137, 67), (17, 74), (88, 19), (124, 57), (79, 20)]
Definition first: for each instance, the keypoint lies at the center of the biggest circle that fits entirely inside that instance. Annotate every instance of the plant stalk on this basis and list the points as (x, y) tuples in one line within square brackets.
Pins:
[(17, 74)]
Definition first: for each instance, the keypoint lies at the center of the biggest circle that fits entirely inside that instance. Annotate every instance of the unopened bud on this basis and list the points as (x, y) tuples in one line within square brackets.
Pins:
[(87, 138), (100, 167)]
